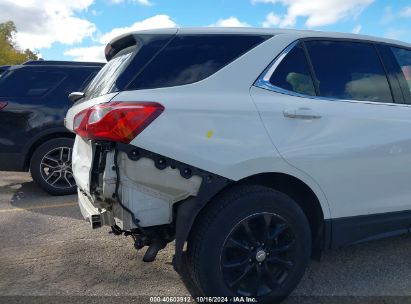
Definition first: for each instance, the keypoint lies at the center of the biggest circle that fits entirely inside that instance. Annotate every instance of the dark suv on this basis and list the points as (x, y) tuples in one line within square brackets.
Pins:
[(33, 104)]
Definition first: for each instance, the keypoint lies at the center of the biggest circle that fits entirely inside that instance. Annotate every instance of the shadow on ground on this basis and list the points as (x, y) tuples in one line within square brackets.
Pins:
[(28, 195)]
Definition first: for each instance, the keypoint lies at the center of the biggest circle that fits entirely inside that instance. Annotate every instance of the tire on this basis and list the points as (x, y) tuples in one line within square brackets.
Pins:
[(221, 249), (50, 166)]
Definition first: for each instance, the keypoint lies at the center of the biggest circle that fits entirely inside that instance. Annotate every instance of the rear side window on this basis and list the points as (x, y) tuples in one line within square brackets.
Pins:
[(403, 58), (191, 58), (293, 73), (349, 70), (26, 83)]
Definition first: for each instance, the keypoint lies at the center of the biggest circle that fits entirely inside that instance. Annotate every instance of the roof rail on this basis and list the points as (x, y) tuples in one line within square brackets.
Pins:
[(67, 63)]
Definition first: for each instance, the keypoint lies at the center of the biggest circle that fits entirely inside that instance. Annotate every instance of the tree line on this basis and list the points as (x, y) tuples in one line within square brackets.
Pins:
[(10, 53)]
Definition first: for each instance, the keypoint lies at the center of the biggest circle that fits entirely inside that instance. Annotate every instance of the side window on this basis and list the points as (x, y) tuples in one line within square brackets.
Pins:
[(42, 82), (77, 80), (349, 70), (293, 73), (25, 83), (191, 58), (403, 59)]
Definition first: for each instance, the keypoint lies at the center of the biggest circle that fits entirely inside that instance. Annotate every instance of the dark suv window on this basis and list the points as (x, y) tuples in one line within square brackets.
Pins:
[(191, 58), (24, 83), (349, 70), (293, 73)]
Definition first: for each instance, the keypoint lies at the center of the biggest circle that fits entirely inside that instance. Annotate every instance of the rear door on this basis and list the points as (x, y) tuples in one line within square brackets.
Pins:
[(24, 90), (331, 112)]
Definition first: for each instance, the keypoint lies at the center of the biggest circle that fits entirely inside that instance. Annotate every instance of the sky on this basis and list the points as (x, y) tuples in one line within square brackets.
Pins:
[(79, 29)]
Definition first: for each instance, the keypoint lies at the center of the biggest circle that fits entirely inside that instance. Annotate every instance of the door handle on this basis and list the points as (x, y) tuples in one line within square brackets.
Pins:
[(301, 113)]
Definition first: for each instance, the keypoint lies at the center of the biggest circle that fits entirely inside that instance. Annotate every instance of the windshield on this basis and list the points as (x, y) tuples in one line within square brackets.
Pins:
[(105, 80)]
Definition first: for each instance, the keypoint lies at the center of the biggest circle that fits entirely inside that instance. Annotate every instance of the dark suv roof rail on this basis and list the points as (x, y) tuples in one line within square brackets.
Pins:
[(67, 63)]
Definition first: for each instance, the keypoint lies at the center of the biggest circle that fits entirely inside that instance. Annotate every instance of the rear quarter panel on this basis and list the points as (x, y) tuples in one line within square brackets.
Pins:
[(214, 124)]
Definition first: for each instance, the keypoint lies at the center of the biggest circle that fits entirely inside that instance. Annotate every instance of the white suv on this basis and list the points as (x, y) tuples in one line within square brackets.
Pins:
[(258, 148)]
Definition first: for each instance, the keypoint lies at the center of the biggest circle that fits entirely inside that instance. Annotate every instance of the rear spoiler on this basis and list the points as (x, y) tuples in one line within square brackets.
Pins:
[(130, 39)]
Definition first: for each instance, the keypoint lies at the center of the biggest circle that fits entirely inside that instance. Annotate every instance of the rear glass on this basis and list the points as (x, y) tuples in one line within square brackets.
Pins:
[(105, 80), (191, 58), (25, 83)]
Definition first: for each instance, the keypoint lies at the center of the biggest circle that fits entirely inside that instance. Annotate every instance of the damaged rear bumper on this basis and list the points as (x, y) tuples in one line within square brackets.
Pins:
[(94, 216), (136, 191)]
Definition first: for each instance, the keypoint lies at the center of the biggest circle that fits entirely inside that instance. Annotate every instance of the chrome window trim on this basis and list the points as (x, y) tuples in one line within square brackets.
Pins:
[(263, 81)]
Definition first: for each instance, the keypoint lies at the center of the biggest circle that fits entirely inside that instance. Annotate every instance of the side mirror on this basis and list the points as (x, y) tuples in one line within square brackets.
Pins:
[(76, 96)]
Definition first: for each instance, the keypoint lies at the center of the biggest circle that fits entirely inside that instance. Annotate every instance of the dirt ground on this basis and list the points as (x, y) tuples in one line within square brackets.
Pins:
[(48, 251)]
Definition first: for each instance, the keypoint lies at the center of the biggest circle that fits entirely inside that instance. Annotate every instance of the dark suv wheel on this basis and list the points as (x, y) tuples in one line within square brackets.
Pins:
[(50, 166), (251, 241)]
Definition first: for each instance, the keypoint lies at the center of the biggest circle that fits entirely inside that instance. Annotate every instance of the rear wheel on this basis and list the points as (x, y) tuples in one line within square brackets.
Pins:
[(50, 166), (252, 241)]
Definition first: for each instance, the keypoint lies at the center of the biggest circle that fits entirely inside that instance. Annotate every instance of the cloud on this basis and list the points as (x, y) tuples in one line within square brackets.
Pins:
[(357, 29), (230, 22), (40, 23), (319, 12), (142, 2), (96, 52), (405, 11), (158, 21), (272, 20), (92, 53)]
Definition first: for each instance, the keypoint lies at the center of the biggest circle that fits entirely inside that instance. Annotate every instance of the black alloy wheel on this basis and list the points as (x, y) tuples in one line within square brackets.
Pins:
[(258, 255), (250, 241)]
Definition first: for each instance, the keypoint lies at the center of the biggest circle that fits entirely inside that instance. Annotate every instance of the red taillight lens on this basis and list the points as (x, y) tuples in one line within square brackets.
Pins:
[(80, 123), (3, 104), (117, 121)]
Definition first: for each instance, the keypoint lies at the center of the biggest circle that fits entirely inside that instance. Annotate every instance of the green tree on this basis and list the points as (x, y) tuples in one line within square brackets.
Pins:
[(10, 53)]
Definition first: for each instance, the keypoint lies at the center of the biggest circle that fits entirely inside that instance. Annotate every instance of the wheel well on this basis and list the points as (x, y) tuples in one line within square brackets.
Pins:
[(41, 141), (303, 196)]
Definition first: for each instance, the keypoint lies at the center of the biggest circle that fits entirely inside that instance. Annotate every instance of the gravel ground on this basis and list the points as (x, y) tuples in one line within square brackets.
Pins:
[(48, 250)]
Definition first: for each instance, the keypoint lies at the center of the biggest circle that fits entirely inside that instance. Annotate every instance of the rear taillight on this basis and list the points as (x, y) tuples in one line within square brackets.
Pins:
[(3, 104), (117, 121)]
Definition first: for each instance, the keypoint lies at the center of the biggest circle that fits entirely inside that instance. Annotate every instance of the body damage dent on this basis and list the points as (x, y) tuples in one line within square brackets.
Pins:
[(150, 184)]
